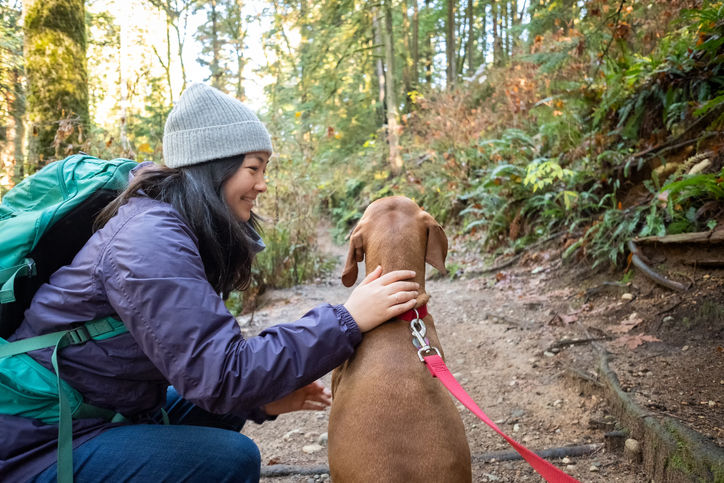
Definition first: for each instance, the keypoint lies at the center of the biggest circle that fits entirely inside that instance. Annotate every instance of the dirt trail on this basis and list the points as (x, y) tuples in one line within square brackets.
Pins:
[(494, 344)]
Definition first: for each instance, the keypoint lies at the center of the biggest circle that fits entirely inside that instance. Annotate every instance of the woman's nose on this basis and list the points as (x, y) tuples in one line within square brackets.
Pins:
[(261, 186)]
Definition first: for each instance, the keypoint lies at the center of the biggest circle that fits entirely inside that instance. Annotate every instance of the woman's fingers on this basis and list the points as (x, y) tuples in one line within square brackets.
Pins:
[(395, 276), (397, 287), (401, 308), (369, 304), (318, 393), (402, 297), (321, 398), (313, 406), (317, 398), (372, 276)]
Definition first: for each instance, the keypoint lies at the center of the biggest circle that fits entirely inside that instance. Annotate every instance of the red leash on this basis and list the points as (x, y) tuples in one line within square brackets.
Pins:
[(438, 369)]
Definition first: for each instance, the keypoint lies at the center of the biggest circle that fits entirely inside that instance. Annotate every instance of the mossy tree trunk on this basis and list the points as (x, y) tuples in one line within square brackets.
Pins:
[(11, 155), (55, 62)]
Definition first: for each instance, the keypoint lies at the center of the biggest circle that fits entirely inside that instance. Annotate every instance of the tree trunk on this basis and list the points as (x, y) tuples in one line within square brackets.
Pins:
[(168, 59), (379, 65), (484, 35), (503, 15), (217, 74), (237, 34), (406, 74), (415, 44), (18, 118), (306, 131), (124, 63), (174, 16), (428, 48), (55, 62), (11, 155), (462, 48), (471, 38), (240, 59), (166, 64), (180, 42), (392, 136), (517, 17), (508, 34), (496, 33), (450, 44)]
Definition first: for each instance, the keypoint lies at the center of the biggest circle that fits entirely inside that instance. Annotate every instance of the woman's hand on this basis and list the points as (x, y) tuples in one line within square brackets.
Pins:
[(313, 397), (378, 299)]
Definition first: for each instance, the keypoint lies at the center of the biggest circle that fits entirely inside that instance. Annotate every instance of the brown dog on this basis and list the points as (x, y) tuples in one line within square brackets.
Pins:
[(391, 421)]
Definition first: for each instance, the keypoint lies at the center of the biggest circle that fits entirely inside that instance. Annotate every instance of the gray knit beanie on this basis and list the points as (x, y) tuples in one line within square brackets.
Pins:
[(206, 124)]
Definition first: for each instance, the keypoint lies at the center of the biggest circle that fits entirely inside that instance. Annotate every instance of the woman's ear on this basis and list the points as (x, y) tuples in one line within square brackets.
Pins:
[(356, 254)]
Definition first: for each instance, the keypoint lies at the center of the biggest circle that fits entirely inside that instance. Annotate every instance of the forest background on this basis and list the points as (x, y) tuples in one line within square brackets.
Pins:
[(510, 121)]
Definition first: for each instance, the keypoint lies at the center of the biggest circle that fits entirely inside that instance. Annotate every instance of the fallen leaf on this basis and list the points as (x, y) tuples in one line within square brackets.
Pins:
[(631, 322), (604, 309), (568, 319), (564, 292), (633, 341), (564, 319)]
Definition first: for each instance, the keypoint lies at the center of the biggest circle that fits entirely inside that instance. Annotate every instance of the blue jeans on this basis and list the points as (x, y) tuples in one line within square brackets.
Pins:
[(196, 446)]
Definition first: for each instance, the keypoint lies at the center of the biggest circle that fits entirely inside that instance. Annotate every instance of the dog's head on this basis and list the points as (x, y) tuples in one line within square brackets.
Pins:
[(396, 233)]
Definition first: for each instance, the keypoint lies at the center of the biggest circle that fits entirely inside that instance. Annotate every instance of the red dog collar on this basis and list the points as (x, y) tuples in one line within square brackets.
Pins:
[(410, 315)]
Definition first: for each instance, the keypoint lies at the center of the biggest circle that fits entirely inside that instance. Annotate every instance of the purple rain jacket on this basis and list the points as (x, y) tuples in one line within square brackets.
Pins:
[(144, 266)]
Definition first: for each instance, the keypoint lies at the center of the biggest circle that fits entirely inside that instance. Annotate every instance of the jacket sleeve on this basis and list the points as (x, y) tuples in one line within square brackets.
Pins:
[(153, 277)]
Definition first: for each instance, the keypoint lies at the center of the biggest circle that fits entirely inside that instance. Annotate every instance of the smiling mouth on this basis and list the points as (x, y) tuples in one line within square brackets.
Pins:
[(249, 200)]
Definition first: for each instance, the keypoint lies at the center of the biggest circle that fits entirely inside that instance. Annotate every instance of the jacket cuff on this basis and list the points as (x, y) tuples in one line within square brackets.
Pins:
[(258, 415), (348, 323)]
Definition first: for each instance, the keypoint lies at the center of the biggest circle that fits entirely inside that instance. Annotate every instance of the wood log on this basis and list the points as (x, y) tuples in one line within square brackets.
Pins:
[(699, 237)]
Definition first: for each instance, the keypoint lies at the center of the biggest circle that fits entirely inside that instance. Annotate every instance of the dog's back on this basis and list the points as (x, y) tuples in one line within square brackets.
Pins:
[(391, 421)]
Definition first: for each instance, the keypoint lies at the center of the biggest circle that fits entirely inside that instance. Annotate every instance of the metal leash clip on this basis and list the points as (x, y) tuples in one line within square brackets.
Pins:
[(417, 326)]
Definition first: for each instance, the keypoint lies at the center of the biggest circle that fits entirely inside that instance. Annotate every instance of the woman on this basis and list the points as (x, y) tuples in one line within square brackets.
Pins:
[(170, 248)]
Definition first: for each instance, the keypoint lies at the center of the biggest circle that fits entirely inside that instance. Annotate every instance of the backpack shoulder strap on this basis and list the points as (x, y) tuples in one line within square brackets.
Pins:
[(94, 330), (7, 279)]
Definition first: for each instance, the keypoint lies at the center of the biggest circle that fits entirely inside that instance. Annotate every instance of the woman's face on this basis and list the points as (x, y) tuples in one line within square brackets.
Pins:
[(242, 188)]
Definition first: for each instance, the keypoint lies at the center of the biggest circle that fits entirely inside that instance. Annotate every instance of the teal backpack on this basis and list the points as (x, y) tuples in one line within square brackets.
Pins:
[(44, 221)]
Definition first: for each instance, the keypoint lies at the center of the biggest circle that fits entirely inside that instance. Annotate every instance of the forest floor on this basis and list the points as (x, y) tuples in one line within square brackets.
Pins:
[(502, 335)]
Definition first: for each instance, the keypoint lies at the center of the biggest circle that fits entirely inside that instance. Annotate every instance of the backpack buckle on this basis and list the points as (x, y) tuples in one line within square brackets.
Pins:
[(78, 336)]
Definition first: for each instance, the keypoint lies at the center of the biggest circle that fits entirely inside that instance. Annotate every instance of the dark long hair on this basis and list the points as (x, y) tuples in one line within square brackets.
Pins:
[(196, 193)]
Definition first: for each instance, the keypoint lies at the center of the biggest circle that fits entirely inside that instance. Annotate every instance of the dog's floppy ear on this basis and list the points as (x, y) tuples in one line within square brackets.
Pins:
[(356, 254), (436, 245)]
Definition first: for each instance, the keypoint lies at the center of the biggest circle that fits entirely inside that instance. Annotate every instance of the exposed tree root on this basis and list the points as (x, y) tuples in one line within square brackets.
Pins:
[(646, 270), (698, 237)]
